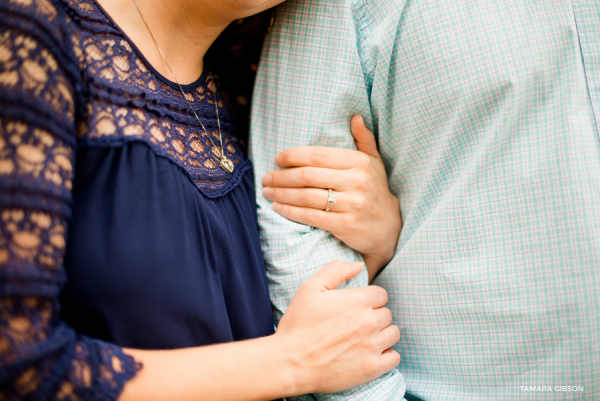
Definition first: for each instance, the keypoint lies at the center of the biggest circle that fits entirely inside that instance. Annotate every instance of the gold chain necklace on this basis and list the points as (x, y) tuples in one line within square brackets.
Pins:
[(225, 163)]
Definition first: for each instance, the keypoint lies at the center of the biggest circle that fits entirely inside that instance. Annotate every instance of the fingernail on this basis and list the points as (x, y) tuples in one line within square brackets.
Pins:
[(268, 193), (278, 159), (277, 207), (267, 180)]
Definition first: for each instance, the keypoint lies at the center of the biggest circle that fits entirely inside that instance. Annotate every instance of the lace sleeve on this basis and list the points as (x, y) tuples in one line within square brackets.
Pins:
[(40, 356)]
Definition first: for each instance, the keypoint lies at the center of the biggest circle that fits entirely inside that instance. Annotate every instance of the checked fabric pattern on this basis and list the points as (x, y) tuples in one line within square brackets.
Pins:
[(486, 114)]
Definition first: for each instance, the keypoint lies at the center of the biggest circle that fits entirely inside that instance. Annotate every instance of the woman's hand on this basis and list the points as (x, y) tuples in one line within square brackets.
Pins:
[(327, 341), (338, 339), (365, 216)]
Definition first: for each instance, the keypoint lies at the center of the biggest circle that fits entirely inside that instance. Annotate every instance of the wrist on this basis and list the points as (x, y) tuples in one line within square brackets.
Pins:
[(377, 260), (374, 264), (294, 379)]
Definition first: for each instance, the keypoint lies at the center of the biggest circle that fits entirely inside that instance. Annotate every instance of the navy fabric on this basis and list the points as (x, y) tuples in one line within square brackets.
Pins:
[(153, 263), (118, 227)]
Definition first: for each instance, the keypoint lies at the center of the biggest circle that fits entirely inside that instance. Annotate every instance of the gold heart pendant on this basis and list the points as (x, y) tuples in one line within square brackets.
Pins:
[(227, 165)]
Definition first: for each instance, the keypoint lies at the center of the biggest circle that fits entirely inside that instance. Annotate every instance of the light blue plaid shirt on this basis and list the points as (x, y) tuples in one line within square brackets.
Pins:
[(486, 114)]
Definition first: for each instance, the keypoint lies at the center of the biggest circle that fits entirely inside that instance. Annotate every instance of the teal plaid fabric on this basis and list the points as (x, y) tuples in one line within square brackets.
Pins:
[(486, 114)]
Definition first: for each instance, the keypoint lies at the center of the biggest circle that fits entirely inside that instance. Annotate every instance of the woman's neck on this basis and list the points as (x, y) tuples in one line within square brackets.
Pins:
[(183, 29)]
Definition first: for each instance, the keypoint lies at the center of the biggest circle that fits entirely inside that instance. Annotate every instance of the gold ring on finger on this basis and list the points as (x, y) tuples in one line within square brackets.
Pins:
[(330, 200)]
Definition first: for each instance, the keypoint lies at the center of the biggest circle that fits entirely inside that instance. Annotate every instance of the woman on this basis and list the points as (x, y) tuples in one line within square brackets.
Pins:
[(123, 166)]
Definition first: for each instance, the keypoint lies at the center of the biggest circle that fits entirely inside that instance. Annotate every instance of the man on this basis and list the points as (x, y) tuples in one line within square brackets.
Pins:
[(486, 114)]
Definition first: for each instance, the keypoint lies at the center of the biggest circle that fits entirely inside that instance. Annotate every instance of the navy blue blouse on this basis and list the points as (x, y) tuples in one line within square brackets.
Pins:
[(118, 227)]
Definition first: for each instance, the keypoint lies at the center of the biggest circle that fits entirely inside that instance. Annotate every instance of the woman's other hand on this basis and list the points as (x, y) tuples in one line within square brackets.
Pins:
[(338, 339), (327, 341), (365, 216)]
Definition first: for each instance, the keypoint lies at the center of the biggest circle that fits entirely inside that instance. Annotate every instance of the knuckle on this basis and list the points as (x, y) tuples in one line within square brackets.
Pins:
[(337, 264), (362, 298), (310, 217), (308, 197), (285, 210), (383, 293), (280, 178), (337, 267), (306, 175), (388, 313), (372, 345), (390, 316), (363, 183), (372, 323), (333, 269), (396, 332), (397, 358), (371, 367), (318, 157), (360, 204), (289, 213), (393, 359)]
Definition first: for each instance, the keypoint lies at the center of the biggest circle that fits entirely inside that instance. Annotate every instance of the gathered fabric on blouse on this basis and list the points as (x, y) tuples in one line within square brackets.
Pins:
[(118, 227)]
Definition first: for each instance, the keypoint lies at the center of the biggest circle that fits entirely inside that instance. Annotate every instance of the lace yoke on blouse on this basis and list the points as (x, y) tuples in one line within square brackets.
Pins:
[(69, 78), (129, 101)]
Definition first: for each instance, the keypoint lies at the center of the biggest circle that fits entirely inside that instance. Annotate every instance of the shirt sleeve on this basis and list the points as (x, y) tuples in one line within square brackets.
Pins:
[(313, 77), (40, 356)]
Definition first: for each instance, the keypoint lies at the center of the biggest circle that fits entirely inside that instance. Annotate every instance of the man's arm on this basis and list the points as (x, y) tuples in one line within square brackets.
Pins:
[(312, 79)]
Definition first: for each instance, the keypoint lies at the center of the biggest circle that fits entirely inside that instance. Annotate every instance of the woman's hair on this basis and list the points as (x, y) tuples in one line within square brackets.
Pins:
[(248, 27), (234, 58), (235, 54)]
